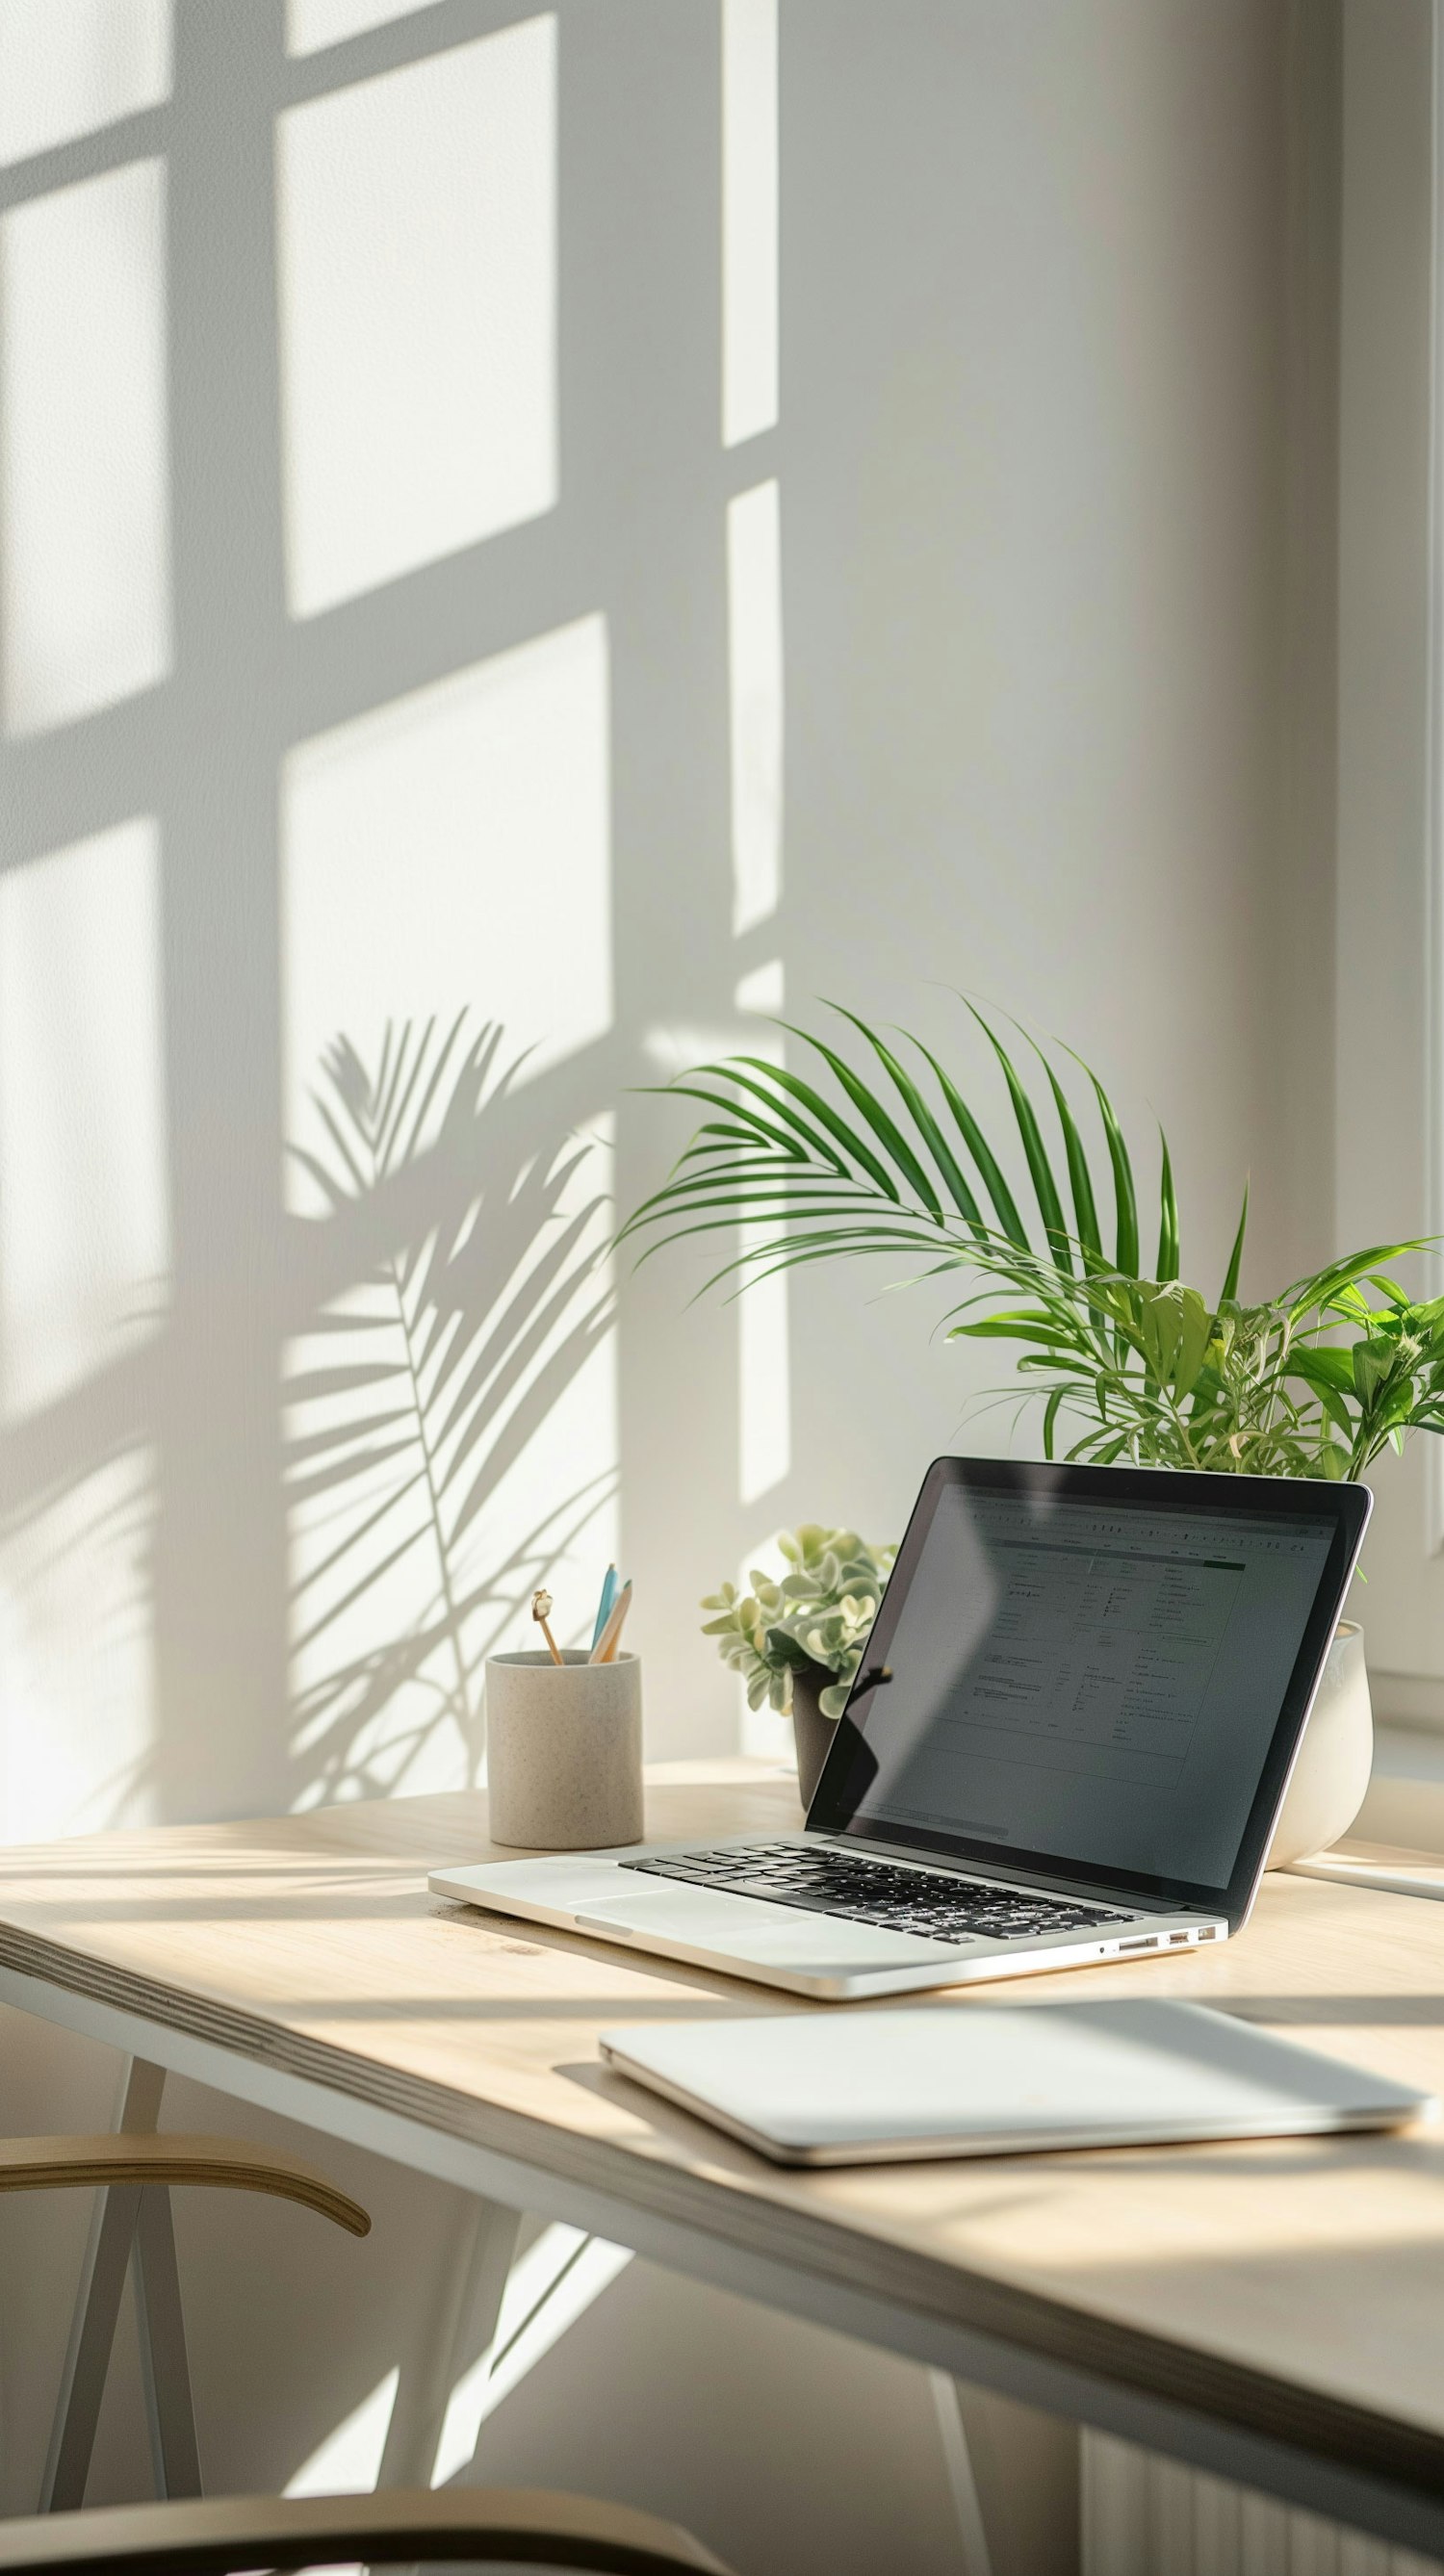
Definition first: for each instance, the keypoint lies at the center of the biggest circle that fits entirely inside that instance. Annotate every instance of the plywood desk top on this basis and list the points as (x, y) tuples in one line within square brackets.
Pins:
[(1293, 2289)]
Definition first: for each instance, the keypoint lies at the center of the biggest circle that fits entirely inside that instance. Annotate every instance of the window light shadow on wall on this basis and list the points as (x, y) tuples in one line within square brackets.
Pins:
[(764, 1394), (754, 630), (68, 67), (83, 1224), (416, 229), (454, 849), (451, 1433), (76, 1654), (84, 1254), (749, 219), (313, 24), (84, 576)]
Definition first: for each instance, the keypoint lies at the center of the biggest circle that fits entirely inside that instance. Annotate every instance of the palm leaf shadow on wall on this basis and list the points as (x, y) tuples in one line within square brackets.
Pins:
[(415, 1392)]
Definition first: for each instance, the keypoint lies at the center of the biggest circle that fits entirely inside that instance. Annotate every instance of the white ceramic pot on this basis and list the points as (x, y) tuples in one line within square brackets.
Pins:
[(1335, 1757)]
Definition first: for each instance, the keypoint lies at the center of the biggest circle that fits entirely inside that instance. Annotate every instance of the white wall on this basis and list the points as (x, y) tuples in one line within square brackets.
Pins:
[(1388, 1071), (366, 650)]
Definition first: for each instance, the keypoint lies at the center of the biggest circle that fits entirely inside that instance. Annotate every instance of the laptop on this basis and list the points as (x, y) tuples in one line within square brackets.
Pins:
[(1068, 1741)]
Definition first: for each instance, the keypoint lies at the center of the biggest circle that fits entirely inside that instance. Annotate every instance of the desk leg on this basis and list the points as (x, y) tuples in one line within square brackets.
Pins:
[(977, 2558), (164, 2363), (481, 2258), (1014, 2475), (97, 2305)]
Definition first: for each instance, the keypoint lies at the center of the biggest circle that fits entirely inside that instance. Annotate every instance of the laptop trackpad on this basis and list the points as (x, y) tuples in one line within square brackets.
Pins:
[(783, 1936)]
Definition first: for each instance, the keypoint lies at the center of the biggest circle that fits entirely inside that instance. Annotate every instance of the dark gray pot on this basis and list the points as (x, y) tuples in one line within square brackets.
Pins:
[(812, 1732)]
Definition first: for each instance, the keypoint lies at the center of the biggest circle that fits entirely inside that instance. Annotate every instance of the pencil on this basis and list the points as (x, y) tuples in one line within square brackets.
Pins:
[(605, 1605), (541, 1603), (605, 1649)]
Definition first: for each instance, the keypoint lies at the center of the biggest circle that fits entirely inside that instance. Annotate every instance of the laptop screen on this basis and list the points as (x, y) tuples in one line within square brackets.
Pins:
[(1089, 1667)]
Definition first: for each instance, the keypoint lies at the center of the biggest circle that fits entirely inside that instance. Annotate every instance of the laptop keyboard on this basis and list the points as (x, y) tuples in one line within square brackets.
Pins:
[(938, 1906)]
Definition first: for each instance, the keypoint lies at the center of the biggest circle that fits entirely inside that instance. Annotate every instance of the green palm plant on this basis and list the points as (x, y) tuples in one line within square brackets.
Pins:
[(1138, 1365)]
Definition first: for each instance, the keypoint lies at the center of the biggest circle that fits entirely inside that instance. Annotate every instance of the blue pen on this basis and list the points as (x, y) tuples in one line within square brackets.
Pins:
[(604, 1606)]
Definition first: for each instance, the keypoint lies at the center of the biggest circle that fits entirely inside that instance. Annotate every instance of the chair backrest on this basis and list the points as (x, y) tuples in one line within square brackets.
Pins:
[(511, 2526)]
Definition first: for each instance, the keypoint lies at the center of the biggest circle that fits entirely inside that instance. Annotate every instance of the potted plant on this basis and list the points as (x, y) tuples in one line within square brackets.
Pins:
[(797, 1642), (1128, 1363)]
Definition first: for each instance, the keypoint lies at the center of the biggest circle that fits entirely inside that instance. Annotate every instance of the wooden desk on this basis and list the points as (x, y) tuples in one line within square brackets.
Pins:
[(1274, 2311)]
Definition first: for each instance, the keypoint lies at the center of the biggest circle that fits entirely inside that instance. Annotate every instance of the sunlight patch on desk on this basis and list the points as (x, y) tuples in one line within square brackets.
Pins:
[(550, 2286), (84, 542), (77, 1679), (68, 67), (348, 2462), (83, 1225), (416, 231), (453, 850)]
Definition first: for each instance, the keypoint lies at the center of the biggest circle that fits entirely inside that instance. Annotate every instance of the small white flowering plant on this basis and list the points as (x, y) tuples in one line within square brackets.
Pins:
[(816, 1614)]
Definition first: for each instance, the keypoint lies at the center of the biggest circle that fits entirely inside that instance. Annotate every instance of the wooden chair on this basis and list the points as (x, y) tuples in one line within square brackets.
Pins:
[(513, 2526), (132, 2170)]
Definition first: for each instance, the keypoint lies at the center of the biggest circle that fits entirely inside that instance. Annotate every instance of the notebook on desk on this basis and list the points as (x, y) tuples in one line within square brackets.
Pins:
[(885, 2087)]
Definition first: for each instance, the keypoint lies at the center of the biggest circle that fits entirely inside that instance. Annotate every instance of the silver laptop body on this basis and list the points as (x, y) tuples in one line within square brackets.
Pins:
[(832, 1957), (1068, 1741), (812, 2089)]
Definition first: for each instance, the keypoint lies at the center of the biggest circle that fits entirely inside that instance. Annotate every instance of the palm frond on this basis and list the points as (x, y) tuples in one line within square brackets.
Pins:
[(1040, 1170), (874, 1175), (1317, 1381)]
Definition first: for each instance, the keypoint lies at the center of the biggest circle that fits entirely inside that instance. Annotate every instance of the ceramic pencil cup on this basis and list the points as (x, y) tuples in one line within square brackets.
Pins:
[(564, 1751)]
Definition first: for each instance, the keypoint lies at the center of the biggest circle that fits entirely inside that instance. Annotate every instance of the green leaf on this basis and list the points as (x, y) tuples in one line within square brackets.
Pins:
[(1085, 1208), (799, 1143), (1159, 1325), (1325, 1285), (785, 1649), (1322, 1366), (1372, 1363), (1005, 1206), (1040, 1170), (801, 1139), (1050, 1416), (776, 1093), (1125, 1197), (922, 1116), (1229, 1289), (870, 1108), (823, 1111), (1195, 1333), (1167, 1216)]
